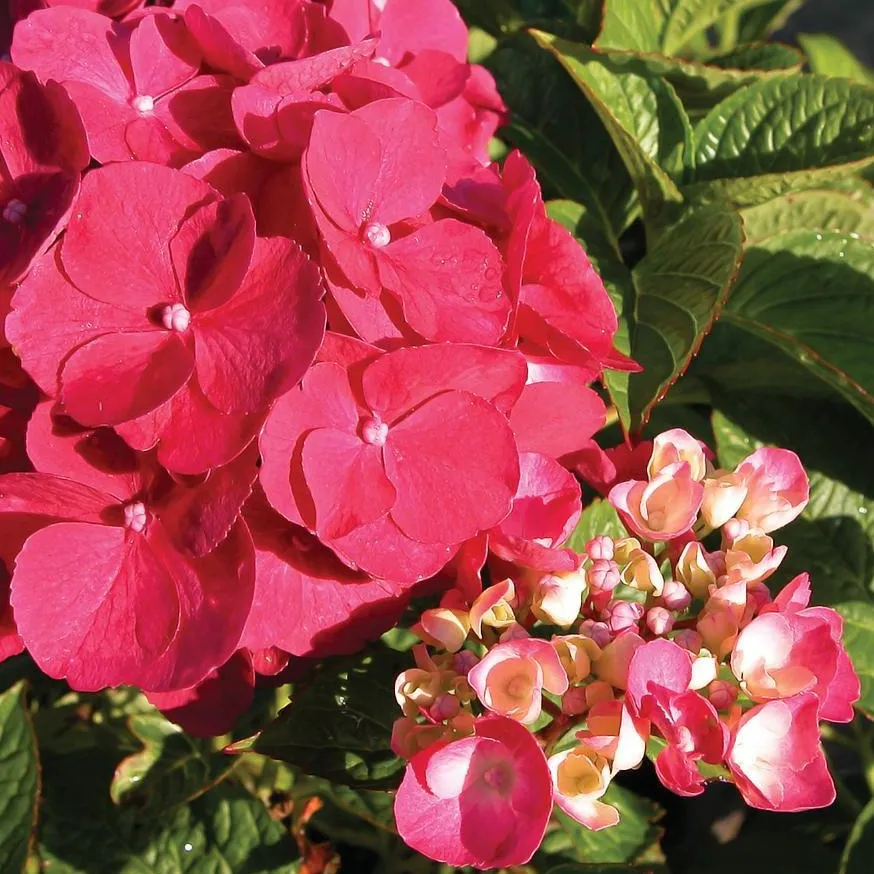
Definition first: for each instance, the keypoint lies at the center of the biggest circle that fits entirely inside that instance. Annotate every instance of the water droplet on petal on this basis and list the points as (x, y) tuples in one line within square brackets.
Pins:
[(491, 274), (187, 847), (383, 62)]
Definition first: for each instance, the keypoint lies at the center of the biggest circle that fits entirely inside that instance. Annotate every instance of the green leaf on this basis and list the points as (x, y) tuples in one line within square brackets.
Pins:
[(761, 21), (636, 834), (597, 519), (757, 57), (630, 24), (781, 134), (817, 210), (19, 780), (859, 641), (860, 846), (831, 57), (172, 768), (681, 286), (338, 724), (831, 334), (640, 111), (561, 134), (225, 830), (684, 19)]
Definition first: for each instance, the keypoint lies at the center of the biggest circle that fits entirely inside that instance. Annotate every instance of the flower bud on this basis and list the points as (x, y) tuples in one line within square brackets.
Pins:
[(659, 621), (463, 661), (662, 509), (694, 571), (777, 488), (704, 670), (603, 575), (558, 598), (675, 447), (675, 596), (416, 689), (624, 616), (597, 631), (612, 665), (443, 627), (409, 737), (576, 654), (722, 694), (600, 548), (689, 639), (642, 573), (493, 607), (573, 702), (445, 706)]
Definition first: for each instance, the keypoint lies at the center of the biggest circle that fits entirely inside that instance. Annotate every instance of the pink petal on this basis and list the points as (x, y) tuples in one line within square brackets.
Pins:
[(306, 601), (118, 377), (68, 44), (220, 50), (212, 706), (448, 278), (547, 503), (310, 74), (346, 479), (456, 450), (556, 418), (198, 115), (323, 400), (99, 459), (192, 436), (10, 640), (398, 382), (50, 318), (416, 25), (127, 609), (162, 55), (382, 550), (201, 517), (125, 218), (260, 343), (212, 250), (661, 664)]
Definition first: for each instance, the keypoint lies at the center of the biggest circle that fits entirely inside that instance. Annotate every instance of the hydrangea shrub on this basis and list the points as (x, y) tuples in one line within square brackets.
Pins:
[(485, 388)]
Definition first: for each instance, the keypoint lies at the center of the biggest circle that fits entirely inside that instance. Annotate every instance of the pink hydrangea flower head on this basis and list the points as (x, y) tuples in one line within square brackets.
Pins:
[(511, 677), (776, 757), (674, 447), (483, 800), (777, 488), (663, 508), (580, 776)]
